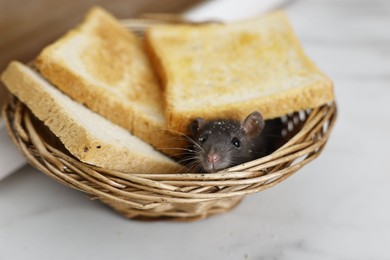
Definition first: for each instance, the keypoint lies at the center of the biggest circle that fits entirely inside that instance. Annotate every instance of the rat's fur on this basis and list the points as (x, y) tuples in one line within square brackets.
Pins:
[(219, 144)]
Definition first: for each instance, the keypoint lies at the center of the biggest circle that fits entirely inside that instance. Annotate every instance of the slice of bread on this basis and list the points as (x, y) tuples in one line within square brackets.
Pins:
[(105, 67), (230, 70), (89, 137)]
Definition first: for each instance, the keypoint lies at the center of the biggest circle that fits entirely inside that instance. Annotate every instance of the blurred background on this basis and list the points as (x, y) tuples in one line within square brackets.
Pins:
[(27, 26)]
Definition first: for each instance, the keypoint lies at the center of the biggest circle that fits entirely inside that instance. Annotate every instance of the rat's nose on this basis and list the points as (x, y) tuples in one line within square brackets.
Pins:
[(213, 158)]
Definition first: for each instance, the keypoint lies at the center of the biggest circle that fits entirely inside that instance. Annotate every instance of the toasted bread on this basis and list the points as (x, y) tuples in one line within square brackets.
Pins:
[(230, 70), (104, 66), (89, 137)]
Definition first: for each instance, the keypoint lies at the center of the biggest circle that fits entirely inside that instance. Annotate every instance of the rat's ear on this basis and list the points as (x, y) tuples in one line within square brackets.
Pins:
[(253, 125), (196, 126)]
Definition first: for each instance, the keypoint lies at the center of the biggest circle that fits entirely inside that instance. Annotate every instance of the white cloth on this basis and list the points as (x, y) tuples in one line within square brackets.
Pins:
[(231, 10)]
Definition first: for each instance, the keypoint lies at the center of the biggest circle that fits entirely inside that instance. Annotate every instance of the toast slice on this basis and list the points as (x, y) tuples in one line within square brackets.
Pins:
[(230, 70), (105, 67), (89, 137)]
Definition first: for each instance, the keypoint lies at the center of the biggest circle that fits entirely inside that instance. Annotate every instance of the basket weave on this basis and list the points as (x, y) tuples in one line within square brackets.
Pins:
[(184, 196)]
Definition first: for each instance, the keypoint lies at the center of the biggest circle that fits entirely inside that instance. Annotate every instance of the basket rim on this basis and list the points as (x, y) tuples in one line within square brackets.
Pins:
[(305, 146)]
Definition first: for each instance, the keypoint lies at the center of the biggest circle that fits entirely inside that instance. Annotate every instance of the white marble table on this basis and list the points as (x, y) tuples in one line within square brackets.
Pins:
[(337, 207)]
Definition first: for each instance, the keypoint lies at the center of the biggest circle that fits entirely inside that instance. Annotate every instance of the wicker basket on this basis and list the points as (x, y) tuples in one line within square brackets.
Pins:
[(184, 196)]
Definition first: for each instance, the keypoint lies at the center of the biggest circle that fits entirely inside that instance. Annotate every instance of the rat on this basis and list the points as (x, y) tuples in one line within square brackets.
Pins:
[(219, 144)]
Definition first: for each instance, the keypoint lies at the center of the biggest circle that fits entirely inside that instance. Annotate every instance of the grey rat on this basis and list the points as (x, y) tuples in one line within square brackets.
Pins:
[(219, 144)]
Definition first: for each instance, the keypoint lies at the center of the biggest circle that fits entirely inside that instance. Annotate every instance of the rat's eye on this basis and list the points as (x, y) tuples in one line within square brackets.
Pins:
[(203, 138), (236, 142)]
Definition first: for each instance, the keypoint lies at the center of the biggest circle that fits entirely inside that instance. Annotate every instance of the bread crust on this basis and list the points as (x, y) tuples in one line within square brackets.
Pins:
[(89, 137), (103, 66), (230, 70)]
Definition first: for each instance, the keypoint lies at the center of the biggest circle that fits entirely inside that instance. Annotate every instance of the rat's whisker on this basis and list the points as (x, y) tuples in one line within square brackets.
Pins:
[(184, 168), (194, 166), (178, 155), (196, 144), (175, 148), (184, 160), (180, 134), (176, 135)]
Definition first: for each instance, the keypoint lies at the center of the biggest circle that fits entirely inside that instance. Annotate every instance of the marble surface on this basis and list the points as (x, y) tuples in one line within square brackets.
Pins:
[(10, 157), (337, 207)]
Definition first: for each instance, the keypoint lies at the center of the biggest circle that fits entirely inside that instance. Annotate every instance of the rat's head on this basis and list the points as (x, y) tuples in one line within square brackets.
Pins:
[(219, 144)]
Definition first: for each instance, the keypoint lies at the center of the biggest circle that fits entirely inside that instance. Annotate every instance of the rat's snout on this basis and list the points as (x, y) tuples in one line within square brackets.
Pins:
[(212, 161), (213, 157)]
